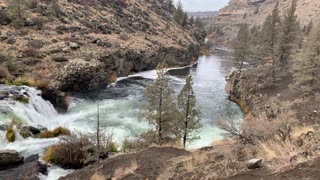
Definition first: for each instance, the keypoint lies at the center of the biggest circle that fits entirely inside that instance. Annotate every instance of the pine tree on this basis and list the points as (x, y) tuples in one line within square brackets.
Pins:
[(241, 48), (170, 6), (189, 114), (198, 22), (185, 20), (309, 27), (160, 109), (17, 12), (179, 13), (191, 21), (307, 66), (289, 35)]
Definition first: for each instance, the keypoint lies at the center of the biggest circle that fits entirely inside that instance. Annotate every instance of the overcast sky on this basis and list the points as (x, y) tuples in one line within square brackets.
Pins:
[(203, 5)]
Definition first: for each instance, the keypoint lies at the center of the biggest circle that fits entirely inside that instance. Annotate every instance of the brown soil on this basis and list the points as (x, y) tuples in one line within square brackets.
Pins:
[(305, 171), (150, 163)]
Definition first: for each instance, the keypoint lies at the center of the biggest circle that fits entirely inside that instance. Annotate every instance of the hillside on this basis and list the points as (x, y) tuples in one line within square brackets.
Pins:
[(254, 12), (120, 37)]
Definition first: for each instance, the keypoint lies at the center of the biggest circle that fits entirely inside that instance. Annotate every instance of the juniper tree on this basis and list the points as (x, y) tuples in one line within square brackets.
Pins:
[(189, 113), (307, 66), (289, 35), (17, 12), (160, 109), (241, 48), (185, 19), (308, 28), (270, 32), (191, 20), (179, 13), (170, 6)]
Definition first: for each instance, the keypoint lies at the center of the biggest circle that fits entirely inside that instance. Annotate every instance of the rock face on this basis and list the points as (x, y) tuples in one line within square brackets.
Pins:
[(254, 163), (141, 165), (80, 75), (128, 37), (30, 170), (9, 157), (254, 12)]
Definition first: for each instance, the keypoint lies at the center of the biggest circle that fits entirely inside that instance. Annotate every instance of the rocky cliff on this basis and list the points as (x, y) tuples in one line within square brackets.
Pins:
[(121, 37), (254, 12)]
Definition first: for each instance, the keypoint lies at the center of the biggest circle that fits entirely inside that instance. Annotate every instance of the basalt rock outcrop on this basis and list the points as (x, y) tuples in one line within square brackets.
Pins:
[(123, 37), (254, 12), (9, 158)]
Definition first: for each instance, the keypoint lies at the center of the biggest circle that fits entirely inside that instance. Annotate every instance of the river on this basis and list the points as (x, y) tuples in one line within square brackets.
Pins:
[(120, 105)]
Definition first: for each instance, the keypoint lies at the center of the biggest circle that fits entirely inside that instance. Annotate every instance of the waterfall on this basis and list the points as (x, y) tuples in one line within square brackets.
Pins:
[(37, 112)]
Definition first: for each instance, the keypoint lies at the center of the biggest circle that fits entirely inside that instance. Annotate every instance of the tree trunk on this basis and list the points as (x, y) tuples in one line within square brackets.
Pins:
[(186, 122), (160, 117)]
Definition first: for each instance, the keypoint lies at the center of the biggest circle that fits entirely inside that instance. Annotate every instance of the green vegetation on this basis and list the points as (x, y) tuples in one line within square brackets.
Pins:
[(274, 42), (307, 64), (241, 48), (10, 134), (160, 109), (173, 121), (17, 12), (189, 114)]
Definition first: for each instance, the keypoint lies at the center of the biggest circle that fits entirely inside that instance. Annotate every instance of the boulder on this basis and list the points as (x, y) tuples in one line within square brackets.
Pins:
[(4, 18), (10, 157), (37, 44), (80, 75), (27, 131), (74, 46), (29, 170), (11, 40), (254, 163)]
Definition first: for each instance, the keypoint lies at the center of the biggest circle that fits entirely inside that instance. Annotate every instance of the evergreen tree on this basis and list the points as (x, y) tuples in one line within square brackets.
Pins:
[(198, 22), (189, 119), (289, 35), (309, 27), (185, 20), (191, 21), (179, 13), (255, 45), (160, 109), (170, 6), (241, 48), (307, 66), (17, 12)]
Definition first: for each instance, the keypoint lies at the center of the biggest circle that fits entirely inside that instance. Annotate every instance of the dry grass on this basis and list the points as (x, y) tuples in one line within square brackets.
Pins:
[(123, 171), (4, 73), (97, 176), (189, 165), (200, 157), (298, 131)]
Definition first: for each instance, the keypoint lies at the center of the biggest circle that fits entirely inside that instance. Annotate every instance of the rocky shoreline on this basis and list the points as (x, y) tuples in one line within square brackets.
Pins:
[(79, 75)]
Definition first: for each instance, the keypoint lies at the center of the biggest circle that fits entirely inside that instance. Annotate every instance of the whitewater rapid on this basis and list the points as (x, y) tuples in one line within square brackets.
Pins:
[(120, 105)]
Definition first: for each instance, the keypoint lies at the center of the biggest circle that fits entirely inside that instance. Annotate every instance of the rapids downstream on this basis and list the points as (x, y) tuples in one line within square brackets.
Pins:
[(120, 105)]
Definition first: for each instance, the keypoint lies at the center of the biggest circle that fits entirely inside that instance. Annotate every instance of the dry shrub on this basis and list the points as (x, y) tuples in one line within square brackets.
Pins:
[(30, 52), (55, 133), (188, 165), (112, 78), (200, 157), (70, 152), (123, 171), (4, 73), (33, 4)]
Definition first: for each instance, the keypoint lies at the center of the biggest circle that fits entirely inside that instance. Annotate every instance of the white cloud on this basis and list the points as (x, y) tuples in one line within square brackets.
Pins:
[(203, 5)]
